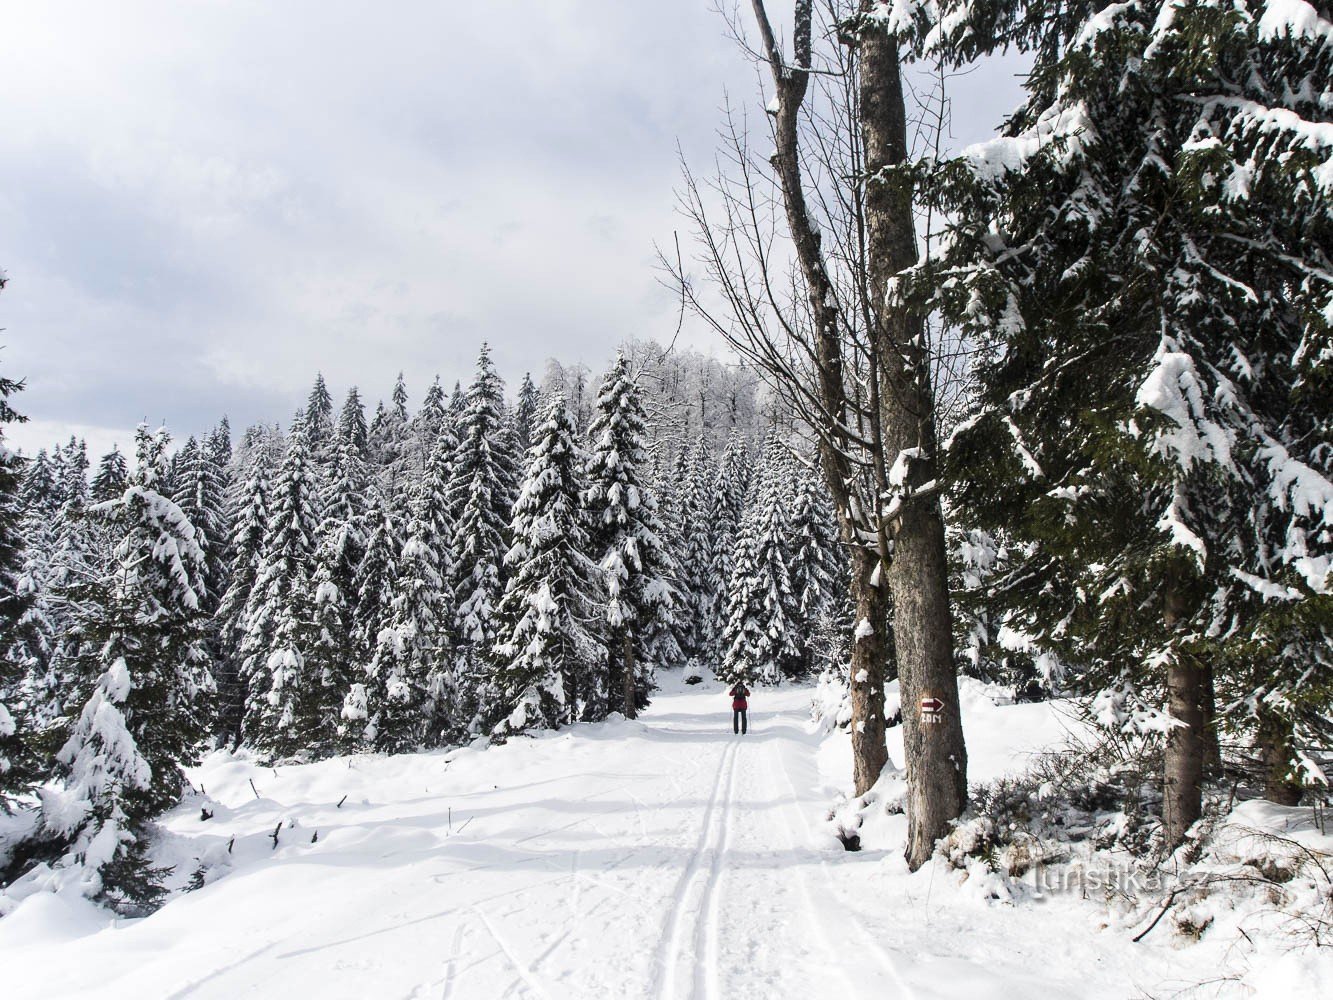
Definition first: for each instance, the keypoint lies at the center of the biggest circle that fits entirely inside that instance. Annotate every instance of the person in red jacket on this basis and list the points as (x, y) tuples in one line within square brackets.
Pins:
[(740, 722)]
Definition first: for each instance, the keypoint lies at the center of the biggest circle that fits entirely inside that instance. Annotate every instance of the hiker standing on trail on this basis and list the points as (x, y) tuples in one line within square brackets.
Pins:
[(740, 722)]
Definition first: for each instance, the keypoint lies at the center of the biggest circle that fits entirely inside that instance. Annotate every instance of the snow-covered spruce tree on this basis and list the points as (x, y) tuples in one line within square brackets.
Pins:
[(726, 509), (426, 610), (319, 420), (694, 561), (986, 645), (527, 414), (626, 543), (818, 571), (429, 422), (148, 694), (111, 477), (480, 502), (375, 588), (37, 490), (281, 697), (248, 502), (15, 600), (71, 472), (408, 685), (764, 640), (551, 664), (200, 491), (1144, 257), (339, 548)]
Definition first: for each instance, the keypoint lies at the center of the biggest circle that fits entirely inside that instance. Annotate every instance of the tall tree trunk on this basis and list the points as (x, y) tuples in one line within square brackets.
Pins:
[(1277, 754), (869, 751), (935, 751), (1186, 746), (627, 658)]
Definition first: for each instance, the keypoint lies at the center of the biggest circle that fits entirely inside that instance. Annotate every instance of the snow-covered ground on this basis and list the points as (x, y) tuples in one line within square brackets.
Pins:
[(658, 858)]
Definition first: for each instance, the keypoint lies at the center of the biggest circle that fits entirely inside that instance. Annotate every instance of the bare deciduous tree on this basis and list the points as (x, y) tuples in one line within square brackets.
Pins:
[(803, 248)]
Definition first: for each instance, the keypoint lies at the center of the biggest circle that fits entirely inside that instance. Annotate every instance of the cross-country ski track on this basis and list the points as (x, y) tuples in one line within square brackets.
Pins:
[(662, 858)]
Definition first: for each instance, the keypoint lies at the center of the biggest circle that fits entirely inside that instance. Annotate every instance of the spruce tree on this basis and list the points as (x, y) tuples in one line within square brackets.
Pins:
[(527, 414), (281, 697), (695, 561), (248, 502), (111, 478), (340, 546), (725, 512), (15, 600), (1142, 258), (148, 694), (764, 639), (626, 543), (480, 503), (550, 661), (818, 571), (375, 588)]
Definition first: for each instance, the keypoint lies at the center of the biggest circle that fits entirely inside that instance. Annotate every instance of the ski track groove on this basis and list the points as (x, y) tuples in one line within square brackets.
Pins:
[(449, 973), (886, 961), (525, 974), (667, 957), (707, 944)]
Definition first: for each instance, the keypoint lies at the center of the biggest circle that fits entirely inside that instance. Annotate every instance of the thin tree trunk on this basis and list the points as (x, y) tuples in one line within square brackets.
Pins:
[(1212, 752), (1276, 751), (1182, 766), (869, 751), (627, 658), (934, 748)]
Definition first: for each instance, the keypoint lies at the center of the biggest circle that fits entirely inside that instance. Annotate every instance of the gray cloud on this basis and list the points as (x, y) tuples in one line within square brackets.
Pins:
[(203, 203)]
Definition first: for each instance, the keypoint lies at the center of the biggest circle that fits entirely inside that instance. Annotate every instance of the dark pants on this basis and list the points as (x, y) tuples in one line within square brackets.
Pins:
[(740, 722)]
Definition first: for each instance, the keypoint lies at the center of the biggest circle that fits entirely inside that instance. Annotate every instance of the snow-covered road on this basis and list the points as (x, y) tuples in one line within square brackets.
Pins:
[(664, 858)]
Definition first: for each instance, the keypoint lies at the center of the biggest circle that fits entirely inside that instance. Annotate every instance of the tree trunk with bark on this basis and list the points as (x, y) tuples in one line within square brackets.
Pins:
[(1186, 745), (934, 748), (1275, 741), (630, 707), (870, 752), (869, 655)]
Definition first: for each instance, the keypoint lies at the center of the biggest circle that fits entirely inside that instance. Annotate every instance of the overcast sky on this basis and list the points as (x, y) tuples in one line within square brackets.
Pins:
[(202, 203)]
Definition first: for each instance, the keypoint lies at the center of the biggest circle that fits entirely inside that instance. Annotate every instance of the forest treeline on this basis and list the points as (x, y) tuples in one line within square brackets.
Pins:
[(482, 566)]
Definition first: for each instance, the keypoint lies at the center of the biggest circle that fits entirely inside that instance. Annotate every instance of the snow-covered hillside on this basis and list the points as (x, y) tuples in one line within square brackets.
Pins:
[(659, 858)]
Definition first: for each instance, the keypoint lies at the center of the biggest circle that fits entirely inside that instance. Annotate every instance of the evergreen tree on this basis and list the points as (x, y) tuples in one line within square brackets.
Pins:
[(480, 502), (148, 696), (1143, 258), (374, 586), (341, 545), (111, 478), (818, 571), (726, 509), (71, 472), (763, 638), (551, 662), (424, 616), (526, 414), (15, 599), (281, 698), (38, 490), (319, 419), (626, 541), (695, 562), (200, 491), (249, 502)]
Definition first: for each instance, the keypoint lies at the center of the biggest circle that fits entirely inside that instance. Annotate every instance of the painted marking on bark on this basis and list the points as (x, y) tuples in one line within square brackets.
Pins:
[(932, 710)]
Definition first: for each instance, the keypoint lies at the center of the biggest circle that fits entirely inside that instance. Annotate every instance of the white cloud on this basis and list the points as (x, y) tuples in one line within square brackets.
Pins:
[(202, 203)]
